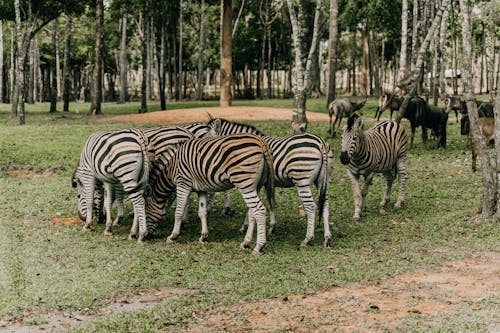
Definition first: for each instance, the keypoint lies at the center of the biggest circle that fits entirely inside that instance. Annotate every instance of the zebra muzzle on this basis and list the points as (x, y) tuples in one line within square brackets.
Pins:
[(344, 158)]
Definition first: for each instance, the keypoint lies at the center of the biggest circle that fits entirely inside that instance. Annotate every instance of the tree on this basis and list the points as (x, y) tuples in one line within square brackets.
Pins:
[(488, 202), (95, 107), (404, 39), (123, 60), (201, 51), (303, 60), (332, 51), (66, 65), (226, 49), (144, 56), (53, 71)]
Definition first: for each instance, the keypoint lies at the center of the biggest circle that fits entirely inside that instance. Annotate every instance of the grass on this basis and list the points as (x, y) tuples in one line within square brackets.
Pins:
[(48, 267)]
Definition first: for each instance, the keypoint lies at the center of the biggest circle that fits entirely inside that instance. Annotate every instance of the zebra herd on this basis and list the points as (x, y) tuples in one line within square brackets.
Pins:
[(155, 166)]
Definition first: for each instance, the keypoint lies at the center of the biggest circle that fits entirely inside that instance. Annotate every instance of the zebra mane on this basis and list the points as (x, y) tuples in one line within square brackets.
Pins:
[(249, 128), (351, 121)]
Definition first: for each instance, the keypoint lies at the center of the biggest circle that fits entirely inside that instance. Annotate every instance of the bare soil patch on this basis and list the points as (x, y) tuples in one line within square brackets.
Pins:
[(20, 173), (371, 306), (233, 113)]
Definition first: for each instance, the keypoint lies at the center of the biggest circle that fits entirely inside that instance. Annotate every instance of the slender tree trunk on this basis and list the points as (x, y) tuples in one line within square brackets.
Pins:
[(442, 51), (12, 74), (454, 65), (302, 61), (332, 51), (488, 202), (490, 54), (30, 98), (497, 152), (58, 62), (1, 63), (123, 61), (181, 36), (53, 71), (201, 51), (145, 27), (161, 58), (404, 40), (66, 65), (414, 36), (364, 63), (95, 107), (226, 53)]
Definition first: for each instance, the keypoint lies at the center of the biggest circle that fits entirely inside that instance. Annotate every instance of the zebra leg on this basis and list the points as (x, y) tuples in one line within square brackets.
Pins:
[(245, 224), (202, 214), (356, 193), (250, 224), (326, 224), (139, 205), (227, 203), (272, 222), (183, 192), (389, 179), (367, 184), (119, 206), (306, 197), (257, 211), (88, 193), (403, 176), (108, 201)]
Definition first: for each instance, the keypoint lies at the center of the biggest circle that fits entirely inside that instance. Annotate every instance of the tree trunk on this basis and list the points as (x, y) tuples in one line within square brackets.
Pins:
[(364, 63), (404, 40), (488, 202), (442, 51), (201, 51), (66, 65), (58, 63), (490, 53), (123, 61), (181, 36), (302, 62), (454, 38), (95, 107), (162, 68), (144, 56), (14, 98), (332, 51), (30, 97), (497, 152), (1, 63), (53, 71), (226, 53), (414, 36)]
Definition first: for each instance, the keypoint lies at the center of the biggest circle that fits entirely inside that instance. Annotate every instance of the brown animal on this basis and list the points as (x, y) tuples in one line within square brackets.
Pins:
[(488, 126), (343, 108), (452, 103)]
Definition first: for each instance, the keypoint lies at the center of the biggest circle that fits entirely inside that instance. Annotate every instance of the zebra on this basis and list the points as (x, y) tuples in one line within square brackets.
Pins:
[(213, 165), (299, 160), (162, 143), (110, 158), (381, 149)]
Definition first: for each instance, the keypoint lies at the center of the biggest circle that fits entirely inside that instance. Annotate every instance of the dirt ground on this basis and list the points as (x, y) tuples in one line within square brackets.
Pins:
[(369, 306), (233, 113)]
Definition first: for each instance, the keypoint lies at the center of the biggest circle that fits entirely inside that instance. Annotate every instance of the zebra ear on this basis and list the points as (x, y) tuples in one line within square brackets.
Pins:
[(210, 118), (359, 123), (352, 120)]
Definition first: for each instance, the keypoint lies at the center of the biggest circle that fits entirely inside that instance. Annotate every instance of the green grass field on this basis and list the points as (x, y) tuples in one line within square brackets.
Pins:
[(46, 267)]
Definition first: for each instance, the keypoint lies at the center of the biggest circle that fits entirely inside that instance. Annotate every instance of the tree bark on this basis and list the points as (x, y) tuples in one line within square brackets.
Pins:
[(497, 152), (414, 35), (201, 51), (123, 61), (95, 107), (302, 62), (144, 56), (53, 71), (332, 51), (226, 53), (181, 36), (404, 40), (66, 65), (488, 201), (442, 51), (364, 62), (1, 63)]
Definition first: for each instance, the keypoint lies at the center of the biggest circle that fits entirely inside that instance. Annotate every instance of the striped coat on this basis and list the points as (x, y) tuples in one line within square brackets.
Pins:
[(111, 158), (212, 165), (299, 161), (381, 149)]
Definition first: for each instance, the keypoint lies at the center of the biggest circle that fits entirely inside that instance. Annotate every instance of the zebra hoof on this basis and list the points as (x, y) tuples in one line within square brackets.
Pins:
[(86, 228), (327, 243), (131, 236), (256, 252), (244, 245), (397, 206), (107, 233), (203, 239), (170, 240), (356, 219), (382, 211), (305, 242)]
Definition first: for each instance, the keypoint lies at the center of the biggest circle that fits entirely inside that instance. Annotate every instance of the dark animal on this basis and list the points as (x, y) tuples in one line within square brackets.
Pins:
[(381, 149), (387, 101), (452, 103), (342, 108)]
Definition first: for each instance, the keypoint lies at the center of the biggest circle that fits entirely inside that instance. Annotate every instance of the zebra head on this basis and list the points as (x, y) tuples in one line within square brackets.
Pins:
[(350, 138), (214, 127), (76, 182)]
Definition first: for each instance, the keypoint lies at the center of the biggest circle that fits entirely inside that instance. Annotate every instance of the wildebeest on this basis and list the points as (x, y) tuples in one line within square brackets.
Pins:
[(343, 108), (387, 101), (452, 103)]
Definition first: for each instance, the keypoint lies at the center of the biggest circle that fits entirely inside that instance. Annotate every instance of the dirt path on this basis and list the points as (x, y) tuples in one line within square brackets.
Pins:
[(233, 113), (370, 306)]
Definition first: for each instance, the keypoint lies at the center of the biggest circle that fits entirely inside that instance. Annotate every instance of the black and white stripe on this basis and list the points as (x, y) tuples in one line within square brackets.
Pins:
[(111, 158), (213, 165), (381, 149), (299, 161)]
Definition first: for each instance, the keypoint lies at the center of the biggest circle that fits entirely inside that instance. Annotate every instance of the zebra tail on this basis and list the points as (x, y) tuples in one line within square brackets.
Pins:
[(269, 182), (323, 181)]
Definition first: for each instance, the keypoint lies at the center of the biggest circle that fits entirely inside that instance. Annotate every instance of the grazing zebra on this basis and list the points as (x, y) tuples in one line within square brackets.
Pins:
[(299, 160), (163, 142), (381, 149), (113, 157), (213, 165)]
